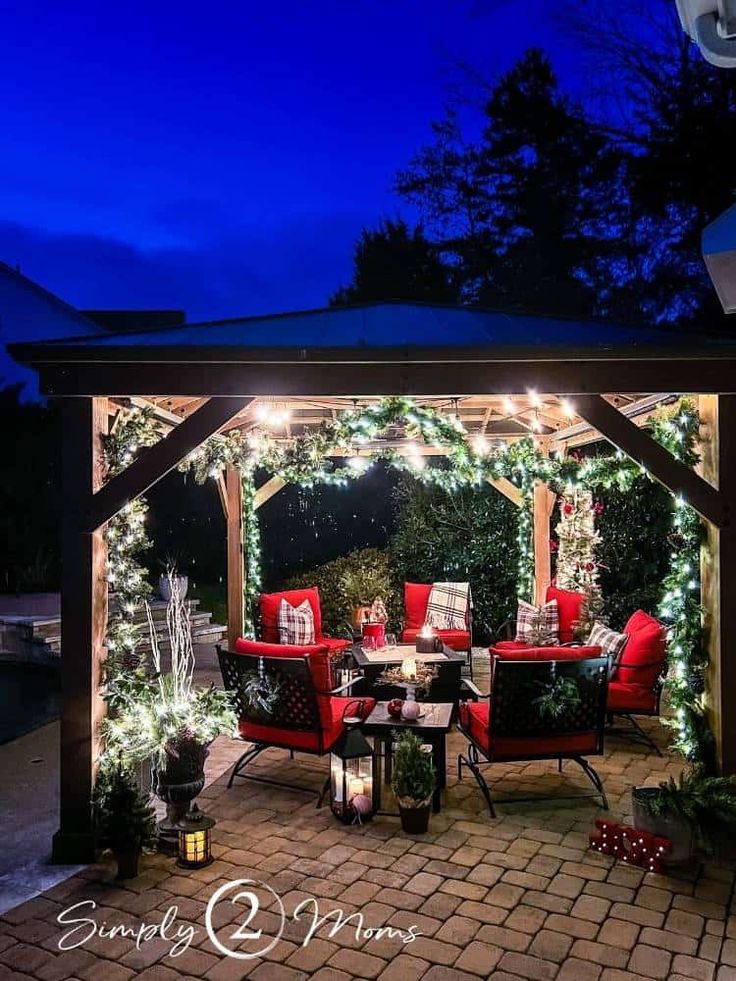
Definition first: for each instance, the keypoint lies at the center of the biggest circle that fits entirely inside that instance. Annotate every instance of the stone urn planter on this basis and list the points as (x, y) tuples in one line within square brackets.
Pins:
[(165, 583), (178, 783)]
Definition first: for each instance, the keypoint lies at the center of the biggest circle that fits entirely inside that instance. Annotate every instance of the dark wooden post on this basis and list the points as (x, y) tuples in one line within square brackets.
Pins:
[(718, 413), (235, 569), (83, 625)]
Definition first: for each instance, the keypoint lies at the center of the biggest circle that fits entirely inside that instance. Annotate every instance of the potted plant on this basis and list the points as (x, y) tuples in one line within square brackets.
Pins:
[(693, 810), (124, 820), (360, 587), (413, 782), (165, 719), (171, 579)]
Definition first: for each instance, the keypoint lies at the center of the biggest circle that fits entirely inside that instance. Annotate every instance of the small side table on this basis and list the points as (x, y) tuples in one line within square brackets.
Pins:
[(432, 728)]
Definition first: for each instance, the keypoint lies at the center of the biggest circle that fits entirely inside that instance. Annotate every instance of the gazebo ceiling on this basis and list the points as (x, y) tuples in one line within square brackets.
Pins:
[(550, 418)]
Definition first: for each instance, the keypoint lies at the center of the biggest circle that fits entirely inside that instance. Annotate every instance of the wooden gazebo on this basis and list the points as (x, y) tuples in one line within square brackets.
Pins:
[(503, 375)]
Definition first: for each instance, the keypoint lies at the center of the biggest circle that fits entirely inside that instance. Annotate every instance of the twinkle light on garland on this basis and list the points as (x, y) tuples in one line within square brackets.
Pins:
[(126, 539), (252, 550)]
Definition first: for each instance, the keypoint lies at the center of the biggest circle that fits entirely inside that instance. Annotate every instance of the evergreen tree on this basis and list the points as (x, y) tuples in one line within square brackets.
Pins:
[(524, 213), (394, 262)]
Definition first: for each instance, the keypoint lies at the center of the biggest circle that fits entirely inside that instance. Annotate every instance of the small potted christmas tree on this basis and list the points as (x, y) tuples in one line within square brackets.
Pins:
[(124, 818), (413, 782)]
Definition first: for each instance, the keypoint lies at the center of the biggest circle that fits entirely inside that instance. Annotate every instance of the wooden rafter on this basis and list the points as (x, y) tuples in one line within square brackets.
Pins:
[(640, 446)]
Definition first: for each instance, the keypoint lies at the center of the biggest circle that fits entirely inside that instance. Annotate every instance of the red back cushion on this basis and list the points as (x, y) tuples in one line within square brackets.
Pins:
[(316, 655), (544, 653), (270, 611), (568, 607), (646, 646), (416, 597)]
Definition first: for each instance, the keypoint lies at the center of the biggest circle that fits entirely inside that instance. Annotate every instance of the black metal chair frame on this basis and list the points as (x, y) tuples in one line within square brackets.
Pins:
[(639, 734), (295, 674), (511, 702)]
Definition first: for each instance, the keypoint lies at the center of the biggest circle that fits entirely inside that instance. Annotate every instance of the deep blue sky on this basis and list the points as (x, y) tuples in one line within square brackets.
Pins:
[(223, 157)]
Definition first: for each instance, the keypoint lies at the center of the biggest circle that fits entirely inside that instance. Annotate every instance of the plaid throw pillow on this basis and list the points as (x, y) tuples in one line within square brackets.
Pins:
[(295, 623), (609, 641), (538, 626), (447, 606)]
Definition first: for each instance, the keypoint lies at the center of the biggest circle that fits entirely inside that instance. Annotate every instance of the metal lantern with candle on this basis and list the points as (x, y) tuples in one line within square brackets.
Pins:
[(427, 641), (353, 775), (195, 839)]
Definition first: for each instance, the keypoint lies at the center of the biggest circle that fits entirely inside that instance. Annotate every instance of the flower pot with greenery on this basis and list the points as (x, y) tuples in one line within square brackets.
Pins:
[(694, 810), (360, 588), (125, 822), (165, 719), (413, 782)]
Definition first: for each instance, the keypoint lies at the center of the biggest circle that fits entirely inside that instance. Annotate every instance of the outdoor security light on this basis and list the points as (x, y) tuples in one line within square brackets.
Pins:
[(712, 25)]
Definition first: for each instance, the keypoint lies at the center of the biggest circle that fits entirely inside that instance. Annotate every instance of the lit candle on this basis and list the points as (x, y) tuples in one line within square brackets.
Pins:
[(356, 787), (426, 631), (409, 667)]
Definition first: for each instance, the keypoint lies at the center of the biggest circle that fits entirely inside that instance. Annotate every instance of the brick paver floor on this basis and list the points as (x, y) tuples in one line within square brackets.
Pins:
[(520, 896)]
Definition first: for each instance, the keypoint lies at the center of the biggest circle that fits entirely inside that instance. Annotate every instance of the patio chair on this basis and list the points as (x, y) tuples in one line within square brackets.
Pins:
[(569, 604), (308, 716), (638, 675), (269, 607), (510, 728), (416, 598)]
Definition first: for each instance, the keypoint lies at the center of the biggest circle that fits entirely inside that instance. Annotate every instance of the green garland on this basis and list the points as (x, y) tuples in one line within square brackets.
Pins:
[(126, 539), (252, 549)]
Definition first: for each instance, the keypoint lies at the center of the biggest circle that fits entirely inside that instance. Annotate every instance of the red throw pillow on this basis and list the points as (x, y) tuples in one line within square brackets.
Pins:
[(270, 603), (317, 655), (646, 646), (416, 597), (569, 603)]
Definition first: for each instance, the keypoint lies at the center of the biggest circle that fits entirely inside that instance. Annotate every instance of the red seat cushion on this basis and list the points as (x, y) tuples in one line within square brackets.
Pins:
[(525, 653), (317, 656), (569, 603), (416, 597), (474, 718), (334, 644), (332, 709), (642, 660), (630, 698), (270, 602), (458, 640)]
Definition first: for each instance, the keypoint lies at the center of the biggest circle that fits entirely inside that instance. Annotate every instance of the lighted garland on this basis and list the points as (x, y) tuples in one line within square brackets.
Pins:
[(126, 539), (308, 461), (252, 549)]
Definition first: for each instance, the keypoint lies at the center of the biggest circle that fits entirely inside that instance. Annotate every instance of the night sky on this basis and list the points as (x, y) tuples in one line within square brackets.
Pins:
[(223, 157)]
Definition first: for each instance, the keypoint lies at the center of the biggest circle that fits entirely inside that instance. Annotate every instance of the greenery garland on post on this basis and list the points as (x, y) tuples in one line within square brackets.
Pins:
[(252, 553), (126, 538)]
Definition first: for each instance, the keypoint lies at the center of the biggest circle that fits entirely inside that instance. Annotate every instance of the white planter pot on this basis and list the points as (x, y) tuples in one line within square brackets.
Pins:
[(164, 586)]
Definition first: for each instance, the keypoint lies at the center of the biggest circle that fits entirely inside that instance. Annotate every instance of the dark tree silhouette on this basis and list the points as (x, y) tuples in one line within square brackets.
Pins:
[(393, 262)]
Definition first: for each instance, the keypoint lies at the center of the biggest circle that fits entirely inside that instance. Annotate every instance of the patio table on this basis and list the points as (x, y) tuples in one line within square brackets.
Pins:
[(433, 727), (446, 688)]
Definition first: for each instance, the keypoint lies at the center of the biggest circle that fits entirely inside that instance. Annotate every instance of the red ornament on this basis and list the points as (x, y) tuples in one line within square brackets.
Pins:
[(590, 566), (599, 507), (630, 845), (553, 546), (567, 508)]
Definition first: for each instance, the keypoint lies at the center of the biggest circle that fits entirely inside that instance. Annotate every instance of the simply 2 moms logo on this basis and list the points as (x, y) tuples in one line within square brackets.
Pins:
[(246, 907)]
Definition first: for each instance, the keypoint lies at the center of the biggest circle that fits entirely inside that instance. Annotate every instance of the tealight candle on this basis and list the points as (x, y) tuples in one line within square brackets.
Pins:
[(356, 787)]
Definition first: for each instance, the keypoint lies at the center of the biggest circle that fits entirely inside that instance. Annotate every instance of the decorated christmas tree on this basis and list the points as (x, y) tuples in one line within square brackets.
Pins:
[(577, 568)]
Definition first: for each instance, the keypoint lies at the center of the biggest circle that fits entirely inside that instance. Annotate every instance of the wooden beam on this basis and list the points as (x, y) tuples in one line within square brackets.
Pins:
[(544, 502), (718, 560), (266, 491), (235, 565), (83, 627), (509, 490), (640, 446), (418, 379), (222, 494), (156, 461)]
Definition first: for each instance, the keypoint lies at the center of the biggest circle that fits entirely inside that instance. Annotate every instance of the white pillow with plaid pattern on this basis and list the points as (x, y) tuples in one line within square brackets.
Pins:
[(537, 625), (609, 641), (296, 623)]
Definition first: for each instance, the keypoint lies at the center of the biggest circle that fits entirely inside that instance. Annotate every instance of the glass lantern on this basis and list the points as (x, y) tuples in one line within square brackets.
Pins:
[(353, 775), (195, 839)]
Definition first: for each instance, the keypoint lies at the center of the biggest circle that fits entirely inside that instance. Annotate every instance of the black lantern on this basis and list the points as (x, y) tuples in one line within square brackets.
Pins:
[(353, 775), (195, 839)]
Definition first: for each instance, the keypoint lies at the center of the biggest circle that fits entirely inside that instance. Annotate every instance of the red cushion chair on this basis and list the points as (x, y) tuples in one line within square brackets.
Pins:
[(308, 716), (270, 603), (518, 650), (416, 597), (510, 728), (569, 604), (638, 677)]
